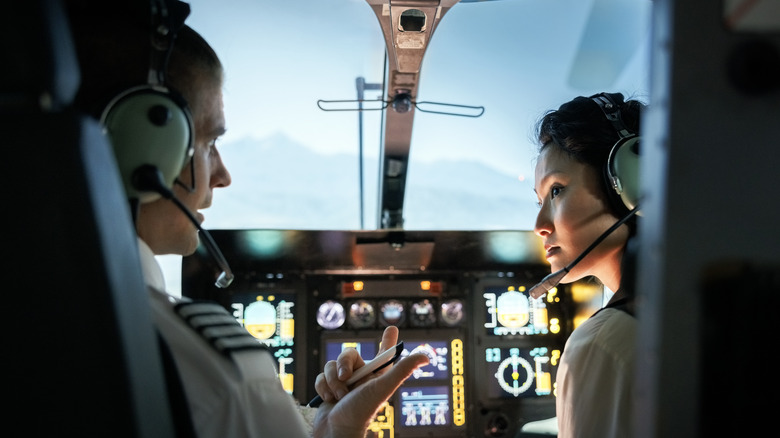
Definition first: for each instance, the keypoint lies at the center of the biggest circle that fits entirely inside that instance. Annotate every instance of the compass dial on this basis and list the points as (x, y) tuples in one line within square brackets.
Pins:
[(515, 375)]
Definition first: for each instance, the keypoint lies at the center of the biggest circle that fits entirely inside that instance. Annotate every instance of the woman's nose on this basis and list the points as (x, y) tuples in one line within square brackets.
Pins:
[(543, 226)]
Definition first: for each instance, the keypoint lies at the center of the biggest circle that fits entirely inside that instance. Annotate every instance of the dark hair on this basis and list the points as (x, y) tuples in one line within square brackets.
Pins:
[(581, 129), (192, 61), (113, 47)]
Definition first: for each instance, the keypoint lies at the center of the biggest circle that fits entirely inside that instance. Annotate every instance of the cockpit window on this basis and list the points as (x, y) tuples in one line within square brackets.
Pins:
[(300, 164)]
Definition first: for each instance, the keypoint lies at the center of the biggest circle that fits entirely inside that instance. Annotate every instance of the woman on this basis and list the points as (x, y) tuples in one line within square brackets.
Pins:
[(577, 205)]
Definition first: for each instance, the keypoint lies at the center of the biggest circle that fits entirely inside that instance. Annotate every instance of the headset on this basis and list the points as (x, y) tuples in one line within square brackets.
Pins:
[(150, 125), (622, 167), (622, 174)]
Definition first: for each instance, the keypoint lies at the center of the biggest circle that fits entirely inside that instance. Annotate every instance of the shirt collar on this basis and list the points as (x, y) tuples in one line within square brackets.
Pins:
[(153, 275)]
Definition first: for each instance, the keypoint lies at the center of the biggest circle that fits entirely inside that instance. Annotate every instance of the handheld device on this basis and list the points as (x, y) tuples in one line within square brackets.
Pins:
[(386, 358)]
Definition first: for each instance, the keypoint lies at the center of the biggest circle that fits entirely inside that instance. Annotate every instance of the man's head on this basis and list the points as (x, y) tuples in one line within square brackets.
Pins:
[(115, 55), (196, 72)]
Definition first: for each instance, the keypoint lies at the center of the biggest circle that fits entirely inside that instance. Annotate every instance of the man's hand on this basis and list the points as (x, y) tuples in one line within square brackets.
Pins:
[(347, 412)]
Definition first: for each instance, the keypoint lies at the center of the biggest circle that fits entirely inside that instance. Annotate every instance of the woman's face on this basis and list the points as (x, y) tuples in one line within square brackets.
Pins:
[(573, 214)]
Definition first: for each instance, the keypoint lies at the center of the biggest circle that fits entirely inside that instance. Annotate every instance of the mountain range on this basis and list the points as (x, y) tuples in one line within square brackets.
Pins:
[(280, 183)]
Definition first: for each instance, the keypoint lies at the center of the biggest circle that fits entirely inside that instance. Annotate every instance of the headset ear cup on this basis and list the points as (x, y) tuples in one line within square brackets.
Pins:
[(623, 171), (147, 126)]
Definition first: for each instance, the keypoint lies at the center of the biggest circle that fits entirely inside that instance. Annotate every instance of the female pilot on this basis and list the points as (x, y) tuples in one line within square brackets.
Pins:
[(577, 204)]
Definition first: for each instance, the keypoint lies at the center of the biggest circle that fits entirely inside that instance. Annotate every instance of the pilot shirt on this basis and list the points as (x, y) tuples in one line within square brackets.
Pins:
[(595, 377), (231, 392)]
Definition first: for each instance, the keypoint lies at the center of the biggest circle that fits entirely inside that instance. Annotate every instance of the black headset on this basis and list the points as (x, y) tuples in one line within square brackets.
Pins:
[(150, 125), (622, 167)]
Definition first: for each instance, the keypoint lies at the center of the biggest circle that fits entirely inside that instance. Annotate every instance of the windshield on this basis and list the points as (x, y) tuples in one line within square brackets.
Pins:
[(296, 166)]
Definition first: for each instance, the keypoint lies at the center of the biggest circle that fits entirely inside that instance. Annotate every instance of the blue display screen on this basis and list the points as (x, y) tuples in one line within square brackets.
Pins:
[(425, 406)]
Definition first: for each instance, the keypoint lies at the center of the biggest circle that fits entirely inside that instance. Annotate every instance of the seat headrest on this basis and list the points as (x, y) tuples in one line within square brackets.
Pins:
[(40, 72)]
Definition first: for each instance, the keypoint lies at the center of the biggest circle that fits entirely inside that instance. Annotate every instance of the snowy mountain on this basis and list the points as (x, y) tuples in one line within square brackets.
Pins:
[(279, 183)]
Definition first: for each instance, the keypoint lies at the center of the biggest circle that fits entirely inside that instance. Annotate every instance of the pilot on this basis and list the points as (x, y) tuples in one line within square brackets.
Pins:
[(228, 386), (577, 205)]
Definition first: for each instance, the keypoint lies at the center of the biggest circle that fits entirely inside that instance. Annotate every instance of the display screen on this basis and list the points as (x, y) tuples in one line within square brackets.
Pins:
[(425, 406), (366, 348), (437, 352), (521, 372), (270, 318), (511, 311)]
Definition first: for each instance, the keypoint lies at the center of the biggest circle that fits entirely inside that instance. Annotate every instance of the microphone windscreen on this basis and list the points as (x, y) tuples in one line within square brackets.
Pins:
[(547, 283)]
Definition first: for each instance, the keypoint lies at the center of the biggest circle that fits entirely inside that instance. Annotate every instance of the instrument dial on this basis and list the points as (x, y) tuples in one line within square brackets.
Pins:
[(515, 375), (392, 312), (452, 312), (422, 314), (330, 315), (361, 314)]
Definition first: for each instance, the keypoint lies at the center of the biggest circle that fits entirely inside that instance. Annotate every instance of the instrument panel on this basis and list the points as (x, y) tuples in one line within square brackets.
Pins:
[(493, 350)]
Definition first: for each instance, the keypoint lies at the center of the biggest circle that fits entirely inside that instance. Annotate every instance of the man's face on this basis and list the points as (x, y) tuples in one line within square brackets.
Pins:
[(160, 223)]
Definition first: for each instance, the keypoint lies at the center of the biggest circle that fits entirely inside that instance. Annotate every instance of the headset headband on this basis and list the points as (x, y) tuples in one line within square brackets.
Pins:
[(165, 24), (612, 112)]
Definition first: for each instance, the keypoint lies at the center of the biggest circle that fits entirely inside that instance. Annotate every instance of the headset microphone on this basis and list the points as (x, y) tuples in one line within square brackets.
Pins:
[(149, 178), (553, 279)]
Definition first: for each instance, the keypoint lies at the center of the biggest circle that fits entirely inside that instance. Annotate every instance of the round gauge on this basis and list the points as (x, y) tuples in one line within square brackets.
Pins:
[(330, 315), (361, 314), (515, 375), (422, 314), (391, 312), (452, 312)]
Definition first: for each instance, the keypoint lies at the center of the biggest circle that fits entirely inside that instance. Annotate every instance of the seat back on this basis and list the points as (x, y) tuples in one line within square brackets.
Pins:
[(83, 357)]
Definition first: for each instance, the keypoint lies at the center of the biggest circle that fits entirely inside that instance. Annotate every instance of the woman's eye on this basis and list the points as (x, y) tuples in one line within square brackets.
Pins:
[(555, 191)]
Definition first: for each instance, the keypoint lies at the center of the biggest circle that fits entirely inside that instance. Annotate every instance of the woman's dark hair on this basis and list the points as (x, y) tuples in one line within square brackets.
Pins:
[(581, 129)]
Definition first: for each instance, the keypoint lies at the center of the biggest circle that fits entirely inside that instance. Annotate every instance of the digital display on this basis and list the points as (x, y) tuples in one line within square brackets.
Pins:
[(437, 352), (270, 319), (333, 348), (511, 311), (521, 373), (425, 406)]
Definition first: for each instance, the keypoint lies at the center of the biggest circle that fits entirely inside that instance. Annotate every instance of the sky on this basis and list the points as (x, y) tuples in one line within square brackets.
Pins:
[(512, 56)]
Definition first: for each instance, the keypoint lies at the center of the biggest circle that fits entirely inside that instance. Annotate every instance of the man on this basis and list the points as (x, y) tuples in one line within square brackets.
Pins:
[(229, 386)]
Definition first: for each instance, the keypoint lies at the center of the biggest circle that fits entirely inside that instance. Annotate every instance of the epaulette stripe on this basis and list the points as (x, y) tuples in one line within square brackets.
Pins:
[(218, 327), (224, 331), (236, 343), (201, 321), (190, 309)]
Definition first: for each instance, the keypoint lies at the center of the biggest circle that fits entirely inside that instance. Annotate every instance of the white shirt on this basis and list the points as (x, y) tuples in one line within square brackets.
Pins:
[(595, 377), (235, 394)]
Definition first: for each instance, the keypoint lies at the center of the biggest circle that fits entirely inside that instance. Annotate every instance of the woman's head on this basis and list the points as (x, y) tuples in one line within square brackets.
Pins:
[(576, 206), (581, 129)]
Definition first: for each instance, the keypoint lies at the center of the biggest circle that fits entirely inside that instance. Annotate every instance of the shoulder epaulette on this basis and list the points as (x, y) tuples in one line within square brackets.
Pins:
[(217, 326)]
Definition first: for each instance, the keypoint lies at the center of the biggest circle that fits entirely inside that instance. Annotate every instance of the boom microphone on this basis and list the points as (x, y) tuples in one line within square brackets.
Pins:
[(149, 178), (553, 279)]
